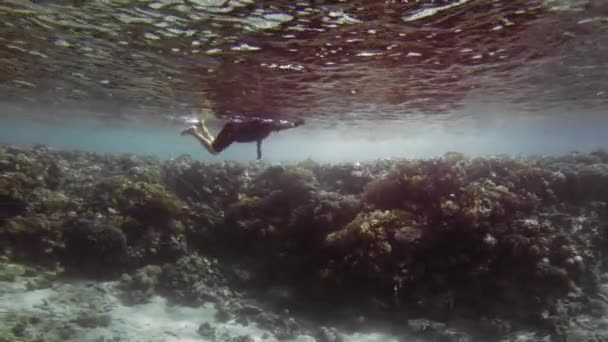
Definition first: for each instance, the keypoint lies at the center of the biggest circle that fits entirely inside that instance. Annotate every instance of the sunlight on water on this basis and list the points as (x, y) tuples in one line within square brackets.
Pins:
[(432, 11)]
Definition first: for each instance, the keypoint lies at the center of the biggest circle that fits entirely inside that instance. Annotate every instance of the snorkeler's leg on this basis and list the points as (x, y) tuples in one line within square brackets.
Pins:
[(202, 126), (201, 138), (205, 113), (203, 116), (224, 139)]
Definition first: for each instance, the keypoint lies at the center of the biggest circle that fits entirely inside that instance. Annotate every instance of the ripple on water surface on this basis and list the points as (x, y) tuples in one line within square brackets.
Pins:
[(370, 59)]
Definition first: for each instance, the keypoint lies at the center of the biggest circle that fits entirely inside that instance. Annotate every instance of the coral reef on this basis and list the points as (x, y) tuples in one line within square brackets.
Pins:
[(141, 286), (94, 248), (192, 280), (508, 242)]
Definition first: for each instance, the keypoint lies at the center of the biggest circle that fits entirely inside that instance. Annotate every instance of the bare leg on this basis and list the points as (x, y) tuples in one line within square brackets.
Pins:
[(206, 141), (202, 128)]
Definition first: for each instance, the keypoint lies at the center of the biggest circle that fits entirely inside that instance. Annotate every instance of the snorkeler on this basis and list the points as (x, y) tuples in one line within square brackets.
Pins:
[(238, 129)]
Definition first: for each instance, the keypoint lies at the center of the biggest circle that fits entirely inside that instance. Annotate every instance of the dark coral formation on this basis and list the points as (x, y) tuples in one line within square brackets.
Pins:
[(192, 280), (501, 240), (94, 247)]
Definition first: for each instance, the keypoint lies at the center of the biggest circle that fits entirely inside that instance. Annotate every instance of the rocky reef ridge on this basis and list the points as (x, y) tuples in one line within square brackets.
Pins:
[(444, 247)]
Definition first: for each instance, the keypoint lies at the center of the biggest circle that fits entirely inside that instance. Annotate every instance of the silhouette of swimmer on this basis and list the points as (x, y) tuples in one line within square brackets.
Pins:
[(239, 129)]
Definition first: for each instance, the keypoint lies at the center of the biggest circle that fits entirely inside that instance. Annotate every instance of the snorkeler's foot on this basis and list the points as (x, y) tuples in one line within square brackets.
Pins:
[(189, 131)]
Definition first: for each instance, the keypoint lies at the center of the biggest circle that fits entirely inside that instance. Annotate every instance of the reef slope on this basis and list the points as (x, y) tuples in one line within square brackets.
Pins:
[(491, 245)]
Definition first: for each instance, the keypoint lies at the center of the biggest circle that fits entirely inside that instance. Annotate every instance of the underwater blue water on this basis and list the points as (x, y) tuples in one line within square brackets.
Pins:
[(518, 135)]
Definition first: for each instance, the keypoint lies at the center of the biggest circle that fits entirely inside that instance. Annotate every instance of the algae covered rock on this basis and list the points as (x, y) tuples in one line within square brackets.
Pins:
[(148, 214), (94, 248), (15, 189), (211, 184), (35, 237), (192, 280), (147, 202), (326, 212), (294, 180), (370, 248), (270, 203), (141, 286)]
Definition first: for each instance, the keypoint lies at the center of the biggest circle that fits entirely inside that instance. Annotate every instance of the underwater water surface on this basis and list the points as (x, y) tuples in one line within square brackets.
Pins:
[(336, 62), (450, 182)]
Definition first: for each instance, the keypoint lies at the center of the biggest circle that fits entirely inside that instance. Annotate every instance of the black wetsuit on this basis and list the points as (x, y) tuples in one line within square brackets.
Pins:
[(245, 129)]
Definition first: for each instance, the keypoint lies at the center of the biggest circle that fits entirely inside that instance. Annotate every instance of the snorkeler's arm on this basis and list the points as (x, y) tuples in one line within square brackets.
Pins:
[(259, 147), (285, 124)]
